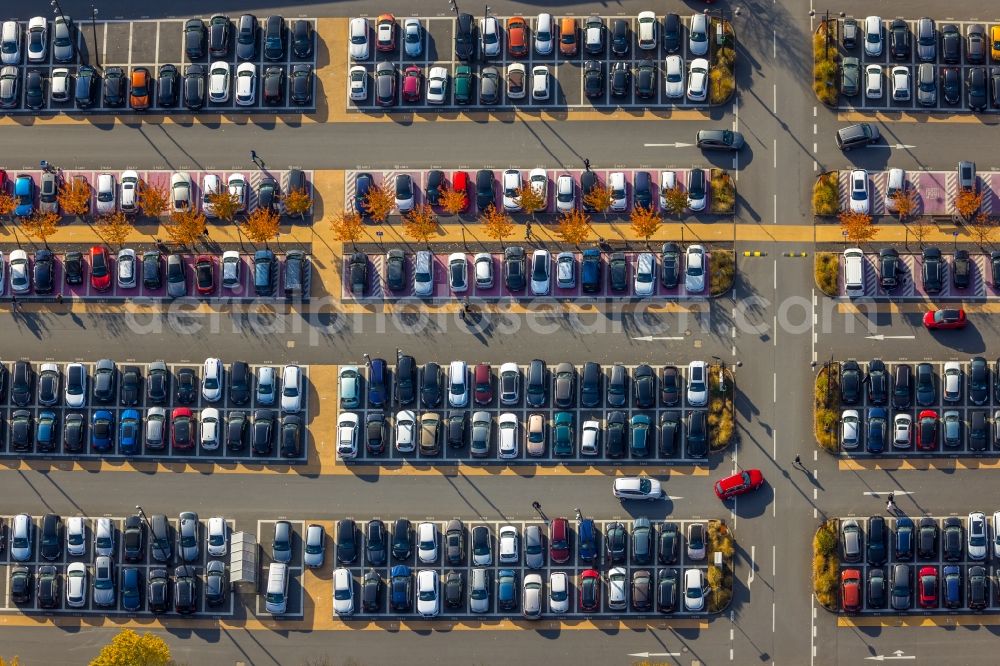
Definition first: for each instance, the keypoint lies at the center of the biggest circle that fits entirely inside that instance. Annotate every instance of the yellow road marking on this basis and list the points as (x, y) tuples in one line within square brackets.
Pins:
[(925, 621), (944, 464), (903, 117), (914, 307)]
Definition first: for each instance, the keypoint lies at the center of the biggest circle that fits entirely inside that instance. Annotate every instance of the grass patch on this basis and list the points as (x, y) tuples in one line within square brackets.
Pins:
[(720, 579), (722, 69), (722, 192), (720, 409), (825, 65), (826, 566), (826, 403), (826, 194), (826, 270), (721, 271)]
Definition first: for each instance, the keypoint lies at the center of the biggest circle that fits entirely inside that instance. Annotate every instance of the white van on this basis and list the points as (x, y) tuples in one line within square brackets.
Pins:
[(895, 184), (854, 272), (276, 600), (458, 385)]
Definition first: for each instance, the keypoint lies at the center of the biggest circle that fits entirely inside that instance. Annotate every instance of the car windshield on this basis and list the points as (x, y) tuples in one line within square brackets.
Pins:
[(645, 486), (427, 595)]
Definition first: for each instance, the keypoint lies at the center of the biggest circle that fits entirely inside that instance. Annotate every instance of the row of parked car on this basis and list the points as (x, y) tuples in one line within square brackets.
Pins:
[(929, 79), (880, 387), (538, 271), (933, 43)]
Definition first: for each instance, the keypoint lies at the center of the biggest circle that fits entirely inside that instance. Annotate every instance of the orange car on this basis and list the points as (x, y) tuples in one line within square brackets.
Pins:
[(139, 97), (567, 37), (517, 37), (385, 33), (995, 43)]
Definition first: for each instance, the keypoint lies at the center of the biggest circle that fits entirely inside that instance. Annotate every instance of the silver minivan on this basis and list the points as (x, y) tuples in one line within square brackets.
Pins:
[(479, 590), (276, 600), (423, 274)]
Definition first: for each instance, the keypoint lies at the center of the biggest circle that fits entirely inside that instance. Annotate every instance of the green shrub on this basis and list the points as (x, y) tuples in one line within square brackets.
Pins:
[(827, 269), (721, 272)]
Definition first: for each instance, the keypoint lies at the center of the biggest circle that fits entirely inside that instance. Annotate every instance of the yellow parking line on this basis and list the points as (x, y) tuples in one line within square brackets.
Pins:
[(915, 307), (922, 621), (916, 464), (903, 117)]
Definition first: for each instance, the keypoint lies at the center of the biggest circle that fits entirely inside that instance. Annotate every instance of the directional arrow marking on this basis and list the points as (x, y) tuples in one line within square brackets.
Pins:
[(898, 654), (895, 492), (650, 338), (647, 655), (881, 337), (668, 145), (898, 146)]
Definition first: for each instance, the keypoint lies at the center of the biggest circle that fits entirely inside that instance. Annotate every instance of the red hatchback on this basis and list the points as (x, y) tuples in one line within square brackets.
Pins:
[(204, 271), (182, 428), (412, 80), (559, 540), (590, 590), (927, 587), (739, 484), (945, 319), (483, 377), (850, 590), (927, 427), (100, 268), (460, 183)]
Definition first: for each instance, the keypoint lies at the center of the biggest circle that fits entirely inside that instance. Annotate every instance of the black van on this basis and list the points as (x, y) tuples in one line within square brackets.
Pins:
[(536, 385), (902, 389), (856, 136)]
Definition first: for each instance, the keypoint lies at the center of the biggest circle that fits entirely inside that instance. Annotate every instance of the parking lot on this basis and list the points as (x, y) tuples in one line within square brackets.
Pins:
[(566, 72), (936, 559), (168, 453), (150, 44), (657, 564), (660, 453), (911, 282), (144, 565), (861, 102), (963, 407), (934, 191)]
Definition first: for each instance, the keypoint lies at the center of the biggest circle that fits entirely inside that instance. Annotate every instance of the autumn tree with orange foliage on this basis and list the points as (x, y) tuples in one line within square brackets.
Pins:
[(7, 205), (225, 205), (348, 227), (378, 202), (676, 199), (129, 648), (453, 201), (262, 225), (114, 228), (420, 223), (574, 227), (74, 196), (186, 228), (645, 221), (967, 203), (496, 223), (41, 225), (905, 202), (599, 198), (530, 199), (982, 228), (153, 201), (858, 227), (297, 203)]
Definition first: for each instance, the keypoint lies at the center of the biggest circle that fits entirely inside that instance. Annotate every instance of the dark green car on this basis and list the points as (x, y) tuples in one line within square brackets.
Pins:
[(463, 85), (562, 434), (850, 76)]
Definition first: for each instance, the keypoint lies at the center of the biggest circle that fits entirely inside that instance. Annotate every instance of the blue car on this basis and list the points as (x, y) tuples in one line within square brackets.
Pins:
[(46, 433), (587, 535), (24, 193), (102, 430), (400, 588), (362, 183), (128, 433), (378, 381)]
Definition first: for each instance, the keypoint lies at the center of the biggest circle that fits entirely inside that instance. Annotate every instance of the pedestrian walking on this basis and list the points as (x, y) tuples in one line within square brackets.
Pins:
[(59, 299), (892, 498), (798, 461), (527, 230), (13, 301), (889, 506), (536, 506)]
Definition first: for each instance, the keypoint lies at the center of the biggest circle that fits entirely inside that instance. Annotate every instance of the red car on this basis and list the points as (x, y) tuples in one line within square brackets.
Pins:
[(850, 590), (412, 80), (460, 183), (483, 377), (945, 319), (182, 428), (385, 33), (739, 484), (100, 268), (204, 270), (559, 540), (927, 587), (927, 427), (590, 590)]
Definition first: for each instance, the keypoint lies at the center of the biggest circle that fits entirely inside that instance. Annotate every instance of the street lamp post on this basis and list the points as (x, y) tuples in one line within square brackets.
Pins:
[(93, 24), (453, 6), (826, 25), (56, 9), (142, 514)]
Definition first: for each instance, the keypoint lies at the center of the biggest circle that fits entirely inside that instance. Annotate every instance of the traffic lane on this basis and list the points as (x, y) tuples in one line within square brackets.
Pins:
[(209, 144), (605, 337)]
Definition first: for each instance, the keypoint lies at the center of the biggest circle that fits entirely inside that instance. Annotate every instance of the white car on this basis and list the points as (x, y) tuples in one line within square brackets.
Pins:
[(427, 546), (977, 536), (359, 38), (180, 191), (490, 36), (437, 85), (125, 268), (697, 383), (217, 539), (343, 592), (644, 281), (507, 549), (697, 90), (850, 429), (483, 264), (76, 585), (859, 191), (873, 35), (647, 32), (565, 193), (129, 185), (668, 181), (951, 383), (218, 81), (61, 84), (458, 272), (538, 179), (694, 589), (590, 438), (427, 593), (516, 71), (357, 84), (76, 536), (291, 389), (347, 435), (673, 70), (246, 84), (104, 537), (20, 282), (558, 592), (237, 186), (900, 84), (902, 431), (540, 83), (873, 81), (996, 534), (617, 588), (413, 37), (10, 43), (404, 430), (212, 380), (566, 270), (698, 35), (541, 263), (105, 194), (315, 546), (405, 198), (511, 185), (231, 263), (619, 190), (38, 39), (210, 184), (545, 38), (21, 538), (507, 437), (694, 268), (210, 426), (636, 488)]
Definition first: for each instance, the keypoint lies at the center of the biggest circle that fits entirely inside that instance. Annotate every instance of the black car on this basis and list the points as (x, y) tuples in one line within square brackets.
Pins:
[(670, 385), (194, 39), (405, 380), (185, 593), (455, 429), (21, 383), (167, 86), (617, 271), (157, 383), (850, 382), (236, 428), (274, 38), (644, 386), (621, 78), (995, 86), (131, 386), (878, 382), (454, 589), (194, 86), (932, 271), (672, 33), (152, 269), (670, 265), (979, 428), (876, 587), (588, 181), (433, 187), (239, 383), (485, 189), (371, 592), (976, 83), (300, 84), (20, 584), (454, 543), (375, 543), (465, 42), (642, 541), (187, 386), (291, 436), (979, 381), (402, 539), (43, 272), (216, 583), (358, 268), (975, 47), (34, 89), (302, 38), (86, 87), (902, 386), (395, 270), (430, 385), (642, 189), (50, 541), (132, 538), (668, 543), (899, 40), (951, 43), (158, 591), (877, 537), (274, 86), (536, 384), (115, 86), (666, 590), (615, 434), (620, 38), (926, 390), (347, 541), (978, 588), (951, 85), (951, 539), (262, 434), (47, 587), (74, 426), (593, 79), (375, 432), (616, 543), (73, 267), (246, 37), (645, 80), (131, 589), (670, 432), (888, 268), (590, 384), (21, 427), (513, 268), (697, 433)]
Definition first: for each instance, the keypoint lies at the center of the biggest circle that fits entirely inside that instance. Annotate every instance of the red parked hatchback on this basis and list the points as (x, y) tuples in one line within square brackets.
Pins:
[(739, 484), (460, 183), (927, 587), (204, 271), (100, 268), (483, 377), (412, 80), (927, 426), (559, 541), (182, 428), (850, 590)]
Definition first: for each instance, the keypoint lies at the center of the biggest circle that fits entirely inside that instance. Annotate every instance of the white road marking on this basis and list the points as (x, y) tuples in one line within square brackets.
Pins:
[(876, 493), (678, 144), (753, 554)]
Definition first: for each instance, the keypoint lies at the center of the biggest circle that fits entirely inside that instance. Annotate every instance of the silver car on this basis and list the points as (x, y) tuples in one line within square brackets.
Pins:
[(479, 590), (21, 538), (62, 39), (104, 538), (176, 277), (188, 536), (265, 385), (315, 546), (531, 597), (534, 548), (155, 427), (926, 85), (104, 581)]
